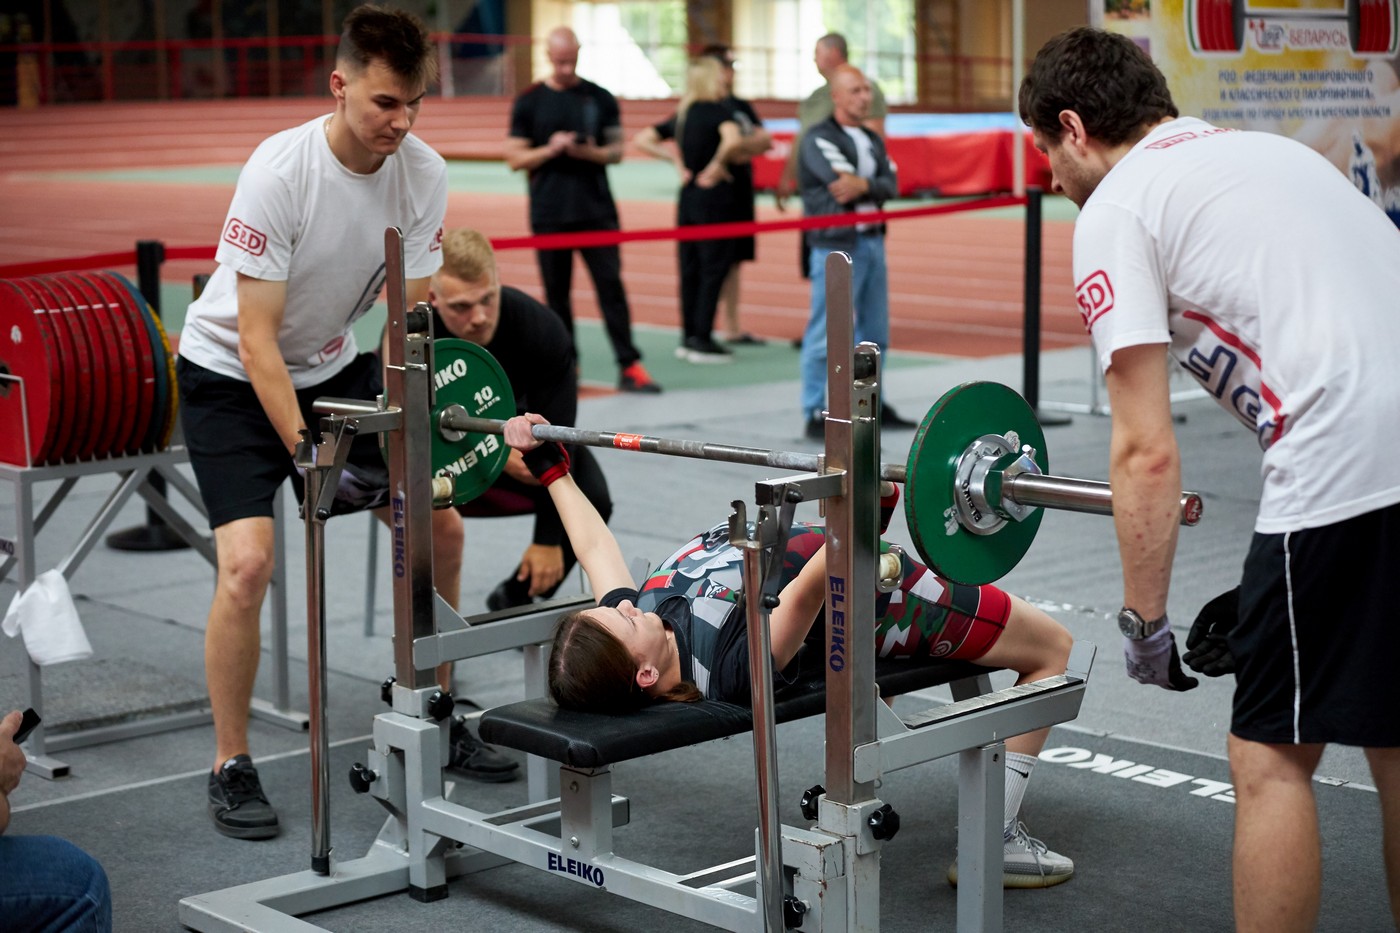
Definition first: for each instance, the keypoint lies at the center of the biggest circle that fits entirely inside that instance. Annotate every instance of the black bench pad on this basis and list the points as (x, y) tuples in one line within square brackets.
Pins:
[(595, 740)]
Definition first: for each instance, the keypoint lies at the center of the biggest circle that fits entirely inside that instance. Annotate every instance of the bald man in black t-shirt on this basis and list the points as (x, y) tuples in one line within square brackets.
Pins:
[(565, 131)]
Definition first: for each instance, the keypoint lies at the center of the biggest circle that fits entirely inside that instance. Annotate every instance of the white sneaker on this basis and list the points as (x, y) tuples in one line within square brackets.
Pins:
[(1027, 863)]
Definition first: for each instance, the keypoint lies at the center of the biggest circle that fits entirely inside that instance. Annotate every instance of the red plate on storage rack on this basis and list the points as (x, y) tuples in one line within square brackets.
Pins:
[(151, 380), (65, 371), (139, 380), (124, 293), (72, 367), (136, 416), (114, 327), (107, 396), (163, 413), (88, 402), (29, 351)]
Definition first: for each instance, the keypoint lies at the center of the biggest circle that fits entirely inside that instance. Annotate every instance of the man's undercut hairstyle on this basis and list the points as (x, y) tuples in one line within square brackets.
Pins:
[(836, 41), (1104, 77), (467, 255), (398, 39)]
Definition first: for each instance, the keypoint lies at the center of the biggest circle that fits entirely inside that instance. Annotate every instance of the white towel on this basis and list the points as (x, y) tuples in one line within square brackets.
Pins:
[(45, 613)]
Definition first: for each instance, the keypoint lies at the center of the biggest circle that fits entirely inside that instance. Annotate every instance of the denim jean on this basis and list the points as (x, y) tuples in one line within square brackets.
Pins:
[(871, 296), (49, 884)]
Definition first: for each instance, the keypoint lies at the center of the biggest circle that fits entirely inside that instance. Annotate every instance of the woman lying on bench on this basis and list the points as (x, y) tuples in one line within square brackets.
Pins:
[(682, 635)]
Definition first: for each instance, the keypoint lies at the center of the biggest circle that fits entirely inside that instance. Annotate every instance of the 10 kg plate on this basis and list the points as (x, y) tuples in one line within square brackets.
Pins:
[(466, 375)]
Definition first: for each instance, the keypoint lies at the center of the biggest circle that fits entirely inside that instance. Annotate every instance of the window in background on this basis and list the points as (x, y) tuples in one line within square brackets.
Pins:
[(634, 49), (774, 41)]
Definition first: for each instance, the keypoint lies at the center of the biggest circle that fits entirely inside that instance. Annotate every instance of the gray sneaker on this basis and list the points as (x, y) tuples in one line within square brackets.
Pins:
[(1027, 863), (237, 803)]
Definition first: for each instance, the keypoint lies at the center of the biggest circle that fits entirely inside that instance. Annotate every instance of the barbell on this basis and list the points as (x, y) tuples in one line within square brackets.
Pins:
[(1220, 26), (976, 479)]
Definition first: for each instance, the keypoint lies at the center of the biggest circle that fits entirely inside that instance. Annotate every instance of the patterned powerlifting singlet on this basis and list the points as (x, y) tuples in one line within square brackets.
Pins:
[(925, 617)]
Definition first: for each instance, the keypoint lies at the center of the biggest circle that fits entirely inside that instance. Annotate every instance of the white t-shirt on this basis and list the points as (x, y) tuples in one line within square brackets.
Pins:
[(1277, 285), (299, 216)]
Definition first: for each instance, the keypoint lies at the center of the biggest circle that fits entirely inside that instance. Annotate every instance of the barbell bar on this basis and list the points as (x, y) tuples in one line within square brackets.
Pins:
[(974, 497), (1035, 490), (971, 504)]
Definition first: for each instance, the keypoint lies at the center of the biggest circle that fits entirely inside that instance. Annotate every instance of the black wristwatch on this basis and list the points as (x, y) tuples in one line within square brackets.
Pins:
[(1136, 627)]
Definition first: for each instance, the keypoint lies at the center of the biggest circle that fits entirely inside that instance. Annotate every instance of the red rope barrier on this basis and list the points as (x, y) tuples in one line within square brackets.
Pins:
[(45, 266), (565, 240), (724, 231)]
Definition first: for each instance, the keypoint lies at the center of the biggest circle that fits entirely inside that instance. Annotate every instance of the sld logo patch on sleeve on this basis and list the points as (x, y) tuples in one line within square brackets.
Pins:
[(1095, 297), (245, 237)]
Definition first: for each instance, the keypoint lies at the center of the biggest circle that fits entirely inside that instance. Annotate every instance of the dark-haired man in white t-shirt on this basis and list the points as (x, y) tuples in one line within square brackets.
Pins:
[(1260, 269), (300, 259)]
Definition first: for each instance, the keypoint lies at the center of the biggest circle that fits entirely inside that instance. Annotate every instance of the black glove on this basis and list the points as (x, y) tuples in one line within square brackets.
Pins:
[(547, 462), (357, 489), (1207, 649), (1153, 660)]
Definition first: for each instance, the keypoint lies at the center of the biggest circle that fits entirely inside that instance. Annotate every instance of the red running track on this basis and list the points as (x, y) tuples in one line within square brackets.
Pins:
[(955, 281)]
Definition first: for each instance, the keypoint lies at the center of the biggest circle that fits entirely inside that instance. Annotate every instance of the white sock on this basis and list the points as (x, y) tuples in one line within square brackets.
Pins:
[(1018, 775)]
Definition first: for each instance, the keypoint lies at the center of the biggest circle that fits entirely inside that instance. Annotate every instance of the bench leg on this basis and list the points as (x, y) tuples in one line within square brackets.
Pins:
[(981, 800), (586, 817)]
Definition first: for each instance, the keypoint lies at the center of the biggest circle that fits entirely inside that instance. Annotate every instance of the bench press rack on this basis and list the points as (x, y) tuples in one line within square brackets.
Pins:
[(824, 878)]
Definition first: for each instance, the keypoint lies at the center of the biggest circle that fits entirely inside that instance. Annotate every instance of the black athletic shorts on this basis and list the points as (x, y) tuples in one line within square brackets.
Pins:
[(1318, 638), (239, 460)]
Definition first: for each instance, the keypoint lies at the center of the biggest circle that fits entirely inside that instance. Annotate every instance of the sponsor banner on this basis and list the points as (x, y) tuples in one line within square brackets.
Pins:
[(1323, 72)]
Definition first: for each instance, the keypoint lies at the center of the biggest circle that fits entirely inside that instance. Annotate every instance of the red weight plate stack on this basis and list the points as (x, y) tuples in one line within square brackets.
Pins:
[(75, 366), (143, 375), (116, 340), (30, 393), (106, 396), (155, 366), (96, 368)]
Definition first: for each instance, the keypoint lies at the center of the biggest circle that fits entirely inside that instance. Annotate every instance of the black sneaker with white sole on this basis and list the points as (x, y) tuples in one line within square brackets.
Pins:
[(237, 803)]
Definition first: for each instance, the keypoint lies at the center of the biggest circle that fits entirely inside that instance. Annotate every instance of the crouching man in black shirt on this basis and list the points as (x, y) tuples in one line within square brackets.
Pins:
[(535, 350)]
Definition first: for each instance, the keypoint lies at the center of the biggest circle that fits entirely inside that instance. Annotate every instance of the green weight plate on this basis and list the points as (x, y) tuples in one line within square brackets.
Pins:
[(464, 374), (952, 425)]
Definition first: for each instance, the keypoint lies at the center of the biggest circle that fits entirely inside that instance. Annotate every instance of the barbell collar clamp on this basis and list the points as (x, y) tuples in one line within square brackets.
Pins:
[(1012, 464), (447, 418), (975, 510)]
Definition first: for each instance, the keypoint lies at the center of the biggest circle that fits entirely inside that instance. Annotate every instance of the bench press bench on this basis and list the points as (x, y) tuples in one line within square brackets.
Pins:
[(586, 745), (595, 740)]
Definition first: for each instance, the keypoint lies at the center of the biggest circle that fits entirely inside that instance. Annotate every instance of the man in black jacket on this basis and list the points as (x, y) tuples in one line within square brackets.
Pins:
[(843, 169)]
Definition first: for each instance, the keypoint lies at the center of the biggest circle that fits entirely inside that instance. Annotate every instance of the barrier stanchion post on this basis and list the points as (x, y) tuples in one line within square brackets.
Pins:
[(1030, 333), (155, 535)]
